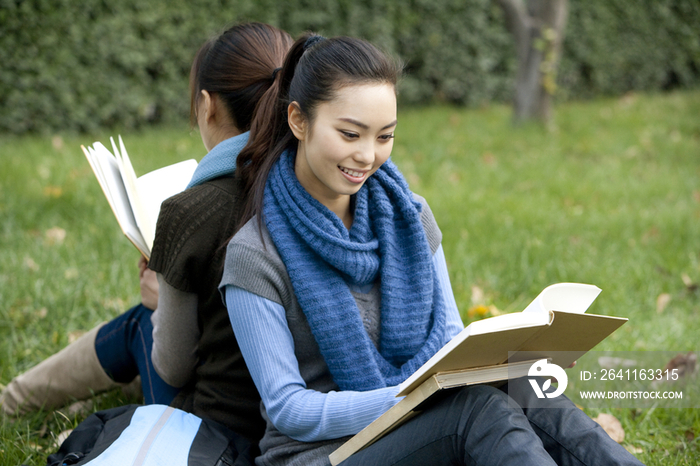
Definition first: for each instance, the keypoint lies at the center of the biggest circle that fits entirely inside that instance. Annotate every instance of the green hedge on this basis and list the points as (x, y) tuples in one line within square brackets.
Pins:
[(85, 64)]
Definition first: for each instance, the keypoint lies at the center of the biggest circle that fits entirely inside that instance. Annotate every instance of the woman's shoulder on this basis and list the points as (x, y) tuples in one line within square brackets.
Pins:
[(432, 230), (204, 196), (253, 263), (191, 226), (253, 234), (214, 202)]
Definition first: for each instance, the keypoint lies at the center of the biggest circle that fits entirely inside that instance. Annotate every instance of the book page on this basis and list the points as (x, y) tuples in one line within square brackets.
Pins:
[(136, 202), (130, 183), (565, 297), (514, 328), (106, 170), (156, 186), (504, 331)]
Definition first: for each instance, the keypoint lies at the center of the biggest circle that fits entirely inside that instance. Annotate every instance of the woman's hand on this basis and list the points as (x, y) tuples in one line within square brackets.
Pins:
[(149, 285)]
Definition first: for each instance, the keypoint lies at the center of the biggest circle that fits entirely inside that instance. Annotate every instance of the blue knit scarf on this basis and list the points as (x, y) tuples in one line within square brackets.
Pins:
[(220, 161), (386, 242)]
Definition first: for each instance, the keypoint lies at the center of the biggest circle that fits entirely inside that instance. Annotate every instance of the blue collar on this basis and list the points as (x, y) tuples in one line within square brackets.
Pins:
[(220, 161)]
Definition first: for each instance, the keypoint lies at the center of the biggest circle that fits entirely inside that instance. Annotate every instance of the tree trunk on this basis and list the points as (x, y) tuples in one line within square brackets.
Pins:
[(538, 30)]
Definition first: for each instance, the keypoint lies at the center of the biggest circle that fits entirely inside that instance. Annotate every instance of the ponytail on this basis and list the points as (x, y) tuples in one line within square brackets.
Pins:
[(270, 135), (237, 65)]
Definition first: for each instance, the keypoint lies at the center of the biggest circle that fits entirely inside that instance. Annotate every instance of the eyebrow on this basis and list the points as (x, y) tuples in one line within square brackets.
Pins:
[(364, 126)]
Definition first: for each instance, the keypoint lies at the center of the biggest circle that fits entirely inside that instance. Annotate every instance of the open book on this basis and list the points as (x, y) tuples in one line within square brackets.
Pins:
[(554, 327), (136, 201)]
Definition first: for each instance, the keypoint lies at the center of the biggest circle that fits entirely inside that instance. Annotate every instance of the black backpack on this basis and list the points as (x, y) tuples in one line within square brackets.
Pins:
[(152, 435)]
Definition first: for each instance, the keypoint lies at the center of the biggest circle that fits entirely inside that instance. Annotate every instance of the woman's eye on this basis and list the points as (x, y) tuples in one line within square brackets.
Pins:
[(386, 137), (348, 134)]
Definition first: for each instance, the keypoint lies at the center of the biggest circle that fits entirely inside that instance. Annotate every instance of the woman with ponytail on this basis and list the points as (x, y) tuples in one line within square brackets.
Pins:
[(185, 350), (337, 286)]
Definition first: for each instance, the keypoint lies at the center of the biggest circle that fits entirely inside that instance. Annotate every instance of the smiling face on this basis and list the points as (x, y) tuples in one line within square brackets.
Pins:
[(349, 138)]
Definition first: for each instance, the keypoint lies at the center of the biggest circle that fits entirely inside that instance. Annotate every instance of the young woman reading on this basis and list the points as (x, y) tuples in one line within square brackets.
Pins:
[(189, 356), (337, 287)]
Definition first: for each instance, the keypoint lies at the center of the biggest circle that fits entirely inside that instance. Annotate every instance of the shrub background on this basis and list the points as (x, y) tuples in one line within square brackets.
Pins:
[(85, 64)]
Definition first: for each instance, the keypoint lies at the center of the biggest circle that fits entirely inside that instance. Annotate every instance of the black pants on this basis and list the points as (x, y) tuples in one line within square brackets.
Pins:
[(482, 425)]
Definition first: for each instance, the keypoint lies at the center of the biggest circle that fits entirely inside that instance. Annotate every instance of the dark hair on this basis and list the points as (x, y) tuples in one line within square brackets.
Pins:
[(314, 70), (238, 66)]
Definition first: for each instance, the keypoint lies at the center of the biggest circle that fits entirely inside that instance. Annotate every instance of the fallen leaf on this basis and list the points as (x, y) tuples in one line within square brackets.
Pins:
[(688, 282), (57, 142), (30, 264), (634, 450), (35, 446), (662, 301), (627, 99), (55, 235), (73, 336), (477, 295), (612, 426), (53, 191), (488, 158), (685, 364), (62, 436)]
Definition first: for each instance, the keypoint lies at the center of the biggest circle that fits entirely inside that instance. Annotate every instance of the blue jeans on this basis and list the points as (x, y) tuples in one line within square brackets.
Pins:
[(123, 346), (481, 425)]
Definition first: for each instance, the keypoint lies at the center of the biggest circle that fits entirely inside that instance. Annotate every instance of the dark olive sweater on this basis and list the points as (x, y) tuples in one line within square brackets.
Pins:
[(189, 249)]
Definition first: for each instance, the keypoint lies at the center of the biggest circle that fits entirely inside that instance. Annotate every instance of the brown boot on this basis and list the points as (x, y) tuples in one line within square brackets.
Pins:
[(74, 373)]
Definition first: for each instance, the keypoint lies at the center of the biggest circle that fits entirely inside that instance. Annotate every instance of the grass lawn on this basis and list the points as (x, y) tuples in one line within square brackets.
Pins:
[(610, 196)]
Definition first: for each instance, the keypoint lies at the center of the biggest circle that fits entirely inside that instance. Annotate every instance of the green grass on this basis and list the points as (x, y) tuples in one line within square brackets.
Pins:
[(610, 196)]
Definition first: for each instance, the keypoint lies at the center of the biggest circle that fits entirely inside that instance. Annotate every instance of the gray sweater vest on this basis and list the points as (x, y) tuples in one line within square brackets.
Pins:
[(253, 264)]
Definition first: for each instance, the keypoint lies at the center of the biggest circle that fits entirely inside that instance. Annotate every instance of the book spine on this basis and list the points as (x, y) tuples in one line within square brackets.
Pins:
[(398, 414)]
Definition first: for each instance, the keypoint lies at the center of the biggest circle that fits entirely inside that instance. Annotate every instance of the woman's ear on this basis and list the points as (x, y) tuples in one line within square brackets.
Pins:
[(297, 121), (208, 106)]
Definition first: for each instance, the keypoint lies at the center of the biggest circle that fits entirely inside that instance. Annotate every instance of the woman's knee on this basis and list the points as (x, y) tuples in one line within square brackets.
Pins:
[(482, 404)]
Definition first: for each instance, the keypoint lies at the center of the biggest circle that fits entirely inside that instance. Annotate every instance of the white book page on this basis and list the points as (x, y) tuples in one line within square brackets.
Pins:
[(156, 186), (492, 324), (130, 183), (566, 297), (106, 169)]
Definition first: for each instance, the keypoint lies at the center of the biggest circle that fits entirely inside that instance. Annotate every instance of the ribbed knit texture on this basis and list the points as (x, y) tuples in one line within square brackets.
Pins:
[(220, 161), (386, 238)]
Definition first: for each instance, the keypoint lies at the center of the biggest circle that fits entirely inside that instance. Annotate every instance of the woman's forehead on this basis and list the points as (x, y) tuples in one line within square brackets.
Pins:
[(371, 105)]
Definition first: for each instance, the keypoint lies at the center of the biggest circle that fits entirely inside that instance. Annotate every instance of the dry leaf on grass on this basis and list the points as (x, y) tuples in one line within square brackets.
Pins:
[(612, 426), (30, 264), (73, 336), (477, 295), (57, 142), (634, 450), (662, 301), (53, 191), (690, 285), (684, 364), (62, 436), (55, 235)]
